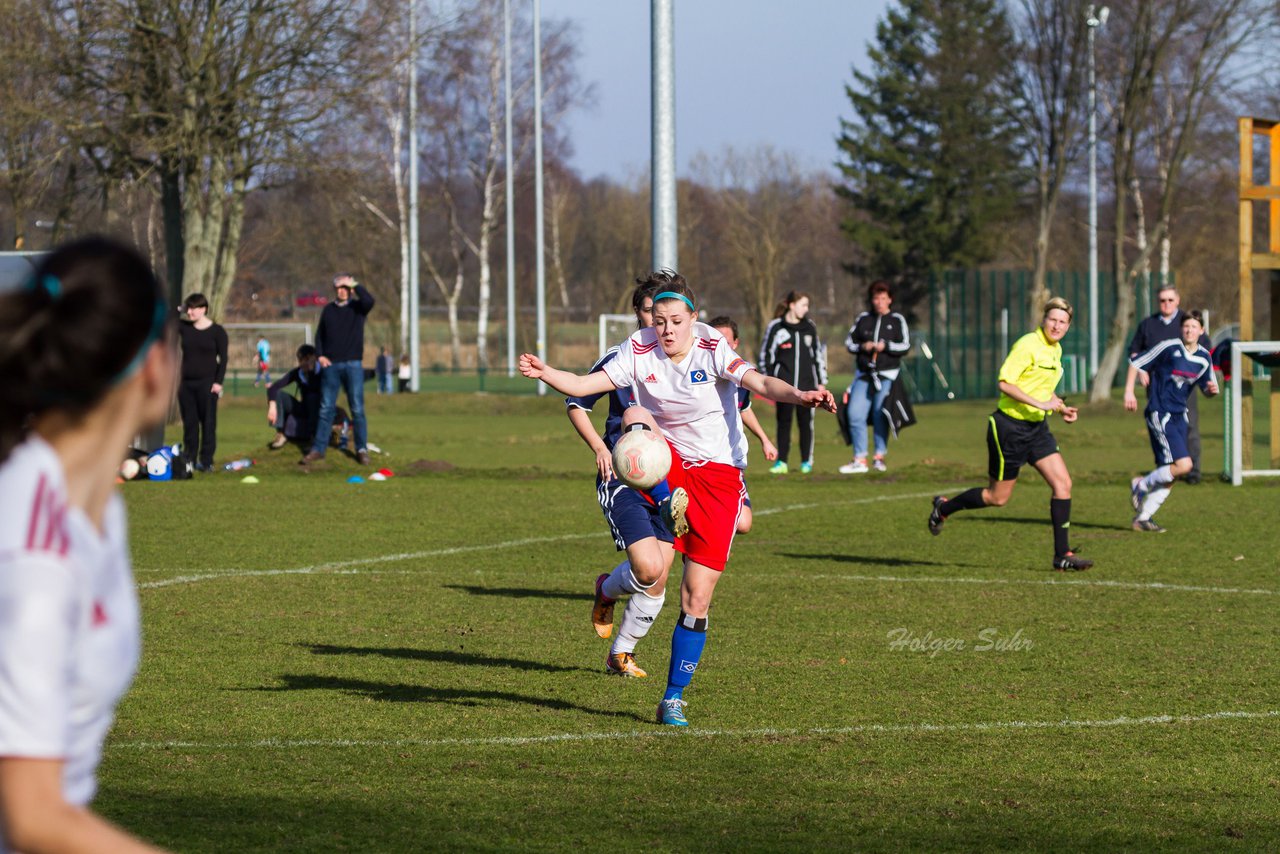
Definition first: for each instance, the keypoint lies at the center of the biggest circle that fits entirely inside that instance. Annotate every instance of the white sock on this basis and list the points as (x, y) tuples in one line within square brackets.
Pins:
[(621, 582), (1157, 478), (641, 612), (1152, 503)]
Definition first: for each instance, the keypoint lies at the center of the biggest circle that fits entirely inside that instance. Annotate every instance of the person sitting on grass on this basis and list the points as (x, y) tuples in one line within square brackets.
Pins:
[(1176, 366), (295, 418)]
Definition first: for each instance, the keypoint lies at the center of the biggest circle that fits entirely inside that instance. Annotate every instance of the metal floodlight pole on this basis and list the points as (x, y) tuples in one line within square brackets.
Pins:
[(663, 130), (537, 186), (1095, 18), (415, 359), (510, 194)]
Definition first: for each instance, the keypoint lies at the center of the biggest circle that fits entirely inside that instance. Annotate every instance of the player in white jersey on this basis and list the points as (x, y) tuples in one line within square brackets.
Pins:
[(683, 375), (87, 361)]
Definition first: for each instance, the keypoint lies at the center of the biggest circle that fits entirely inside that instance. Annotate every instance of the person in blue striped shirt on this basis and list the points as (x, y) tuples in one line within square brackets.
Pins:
[(1176, 366)]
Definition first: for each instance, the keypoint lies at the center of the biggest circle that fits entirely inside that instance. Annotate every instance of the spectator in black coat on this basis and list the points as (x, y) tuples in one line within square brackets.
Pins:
[(340, 344), (878, 339), (792, 351), (204, 366)]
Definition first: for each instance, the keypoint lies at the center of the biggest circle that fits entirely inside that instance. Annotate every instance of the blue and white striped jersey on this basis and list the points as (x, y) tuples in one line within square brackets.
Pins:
[(1174, 369)]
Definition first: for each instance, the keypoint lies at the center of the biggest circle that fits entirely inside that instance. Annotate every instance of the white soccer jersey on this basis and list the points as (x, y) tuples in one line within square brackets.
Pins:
[(69, 620), (695, 402)]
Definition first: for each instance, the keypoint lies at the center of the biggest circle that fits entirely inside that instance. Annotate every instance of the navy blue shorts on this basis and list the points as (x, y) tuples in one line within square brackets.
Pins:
[(631, 516), (1168, 432)]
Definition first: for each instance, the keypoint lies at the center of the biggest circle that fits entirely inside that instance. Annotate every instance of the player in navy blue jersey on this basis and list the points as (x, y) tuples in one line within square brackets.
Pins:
[(1164, 325), (635, 522), (1175, 367), (728, 327)]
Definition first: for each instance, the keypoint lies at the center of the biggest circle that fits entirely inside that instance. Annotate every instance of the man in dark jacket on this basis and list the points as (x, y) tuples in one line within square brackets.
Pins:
[(1162, 326), (340, 345)]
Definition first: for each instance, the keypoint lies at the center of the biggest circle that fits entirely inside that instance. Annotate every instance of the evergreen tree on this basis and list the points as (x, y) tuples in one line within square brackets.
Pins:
[(929, 162)]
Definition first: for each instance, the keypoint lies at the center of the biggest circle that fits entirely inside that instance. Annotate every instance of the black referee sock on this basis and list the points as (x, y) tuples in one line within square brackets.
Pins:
[(970, 499), (1060, 513)]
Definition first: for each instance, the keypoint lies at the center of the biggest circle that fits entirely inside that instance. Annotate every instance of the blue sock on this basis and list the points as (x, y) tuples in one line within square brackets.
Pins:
[(687, 641), (660, 491)]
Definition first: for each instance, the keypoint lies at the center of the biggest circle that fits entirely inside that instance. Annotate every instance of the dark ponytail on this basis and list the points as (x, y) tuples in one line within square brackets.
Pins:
[(785, 303), (73, 331)]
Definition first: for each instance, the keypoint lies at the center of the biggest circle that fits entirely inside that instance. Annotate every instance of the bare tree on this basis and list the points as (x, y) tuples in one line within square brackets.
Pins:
[(209, 101), (759, 196), (33, 154), (463, 103), (1051, 38), (1193, 42)]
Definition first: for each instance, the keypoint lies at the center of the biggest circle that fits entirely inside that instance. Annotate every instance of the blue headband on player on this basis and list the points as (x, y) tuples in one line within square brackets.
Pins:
[(50, 284), (674, 295), (158, 319)]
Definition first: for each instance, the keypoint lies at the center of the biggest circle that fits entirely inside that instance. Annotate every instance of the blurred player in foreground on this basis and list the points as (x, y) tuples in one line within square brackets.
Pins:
[(88, 360)]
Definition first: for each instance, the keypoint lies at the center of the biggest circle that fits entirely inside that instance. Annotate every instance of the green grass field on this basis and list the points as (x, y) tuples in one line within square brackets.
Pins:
[(409, 665)]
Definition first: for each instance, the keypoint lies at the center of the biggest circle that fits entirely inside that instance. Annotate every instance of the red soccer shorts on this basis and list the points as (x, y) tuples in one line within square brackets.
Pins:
[(715, 493)]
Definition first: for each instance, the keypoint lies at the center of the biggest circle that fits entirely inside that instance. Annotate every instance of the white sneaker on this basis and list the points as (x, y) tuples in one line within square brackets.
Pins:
[(878, 464), (855, 467)]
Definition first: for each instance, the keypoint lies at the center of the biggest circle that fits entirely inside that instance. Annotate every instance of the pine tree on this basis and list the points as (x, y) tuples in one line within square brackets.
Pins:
[(929, 162)]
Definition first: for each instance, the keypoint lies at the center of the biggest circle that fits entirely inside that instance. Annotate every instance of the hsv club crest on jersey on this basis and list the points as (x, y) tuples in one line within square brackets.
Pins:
[(689, 400)]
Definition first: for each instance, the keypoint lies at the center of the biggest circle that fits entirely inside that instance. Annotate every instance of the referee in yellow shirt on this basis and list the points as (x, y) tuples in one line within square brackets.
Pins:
[(1018, 433)]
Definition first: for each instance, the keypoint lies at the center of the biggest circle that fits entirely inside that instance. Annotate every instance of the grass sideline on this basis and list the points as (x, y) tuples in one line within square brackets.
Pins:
[(408, 665)]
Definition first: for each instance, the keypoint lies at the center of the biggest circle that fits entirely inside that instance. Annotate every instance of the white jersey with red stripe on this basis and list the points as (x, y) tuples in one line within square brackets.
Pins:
[(695, 401), (69, 620)]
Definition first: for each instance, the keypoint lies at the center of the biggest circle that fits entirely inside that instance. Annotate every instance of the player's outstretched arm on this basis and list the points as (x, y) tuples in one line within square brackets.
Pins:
[(573, 385), (781, 391)]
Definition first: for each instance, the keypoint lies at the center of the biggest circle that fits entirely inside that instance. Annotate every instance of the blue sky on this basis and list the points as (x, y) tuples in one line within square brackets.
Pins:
[(748, 73)]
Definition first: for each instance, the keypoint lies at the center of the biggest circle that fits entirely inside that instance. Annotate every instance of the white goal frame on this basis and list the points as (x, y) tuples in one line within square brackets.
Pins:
[(1236, 437), (305, 327), (605, 319)]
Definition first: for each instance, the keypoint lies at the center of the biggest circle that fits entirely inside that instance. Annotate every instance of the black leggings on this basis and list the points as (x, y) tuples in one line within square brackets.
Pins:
[(805, 416), (199, 408)]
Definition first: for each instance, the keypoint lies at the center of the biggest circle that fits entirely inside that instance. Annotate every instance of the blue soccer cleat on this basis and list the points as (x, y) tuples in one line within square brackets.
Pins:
[(671, 712)]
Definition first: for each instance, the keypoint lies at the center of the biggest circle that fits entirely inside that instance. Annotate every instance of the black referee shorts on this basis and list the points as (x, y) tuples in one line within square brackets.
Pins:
[(1013, 443)]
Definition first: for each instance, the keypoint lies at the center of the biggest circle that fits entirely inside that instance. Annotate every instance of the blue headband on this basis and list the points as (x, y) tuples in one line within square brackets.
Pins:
[(48, 283), (674, 295), (158, 320)]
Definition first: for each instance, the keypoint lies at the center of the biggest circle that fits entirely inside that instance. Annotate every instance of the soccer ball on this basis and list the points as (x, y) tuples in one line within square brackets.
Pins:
[(641, 458), (129, 469)]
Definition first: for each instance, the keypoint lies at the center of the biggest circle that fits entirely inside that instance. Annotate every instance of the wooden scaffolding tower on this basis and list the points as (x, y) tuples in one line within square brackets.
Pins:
[(1251, 129)]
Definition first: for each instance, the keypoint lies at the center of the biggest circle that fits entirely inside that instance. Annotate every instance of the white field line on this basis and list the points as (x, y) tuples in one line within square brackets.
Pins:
[(1102, 582), (337, 567), (665, 732)]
